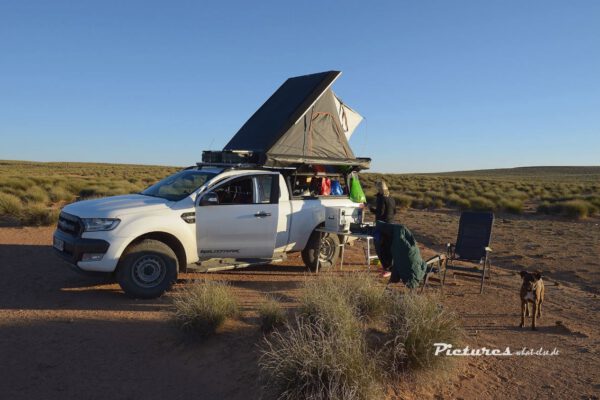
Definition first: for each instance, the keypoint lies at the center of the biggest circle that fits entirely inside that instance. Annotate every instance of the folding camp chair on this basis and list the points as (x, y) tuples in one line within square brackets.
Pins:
[(472, 244), (435, 265)]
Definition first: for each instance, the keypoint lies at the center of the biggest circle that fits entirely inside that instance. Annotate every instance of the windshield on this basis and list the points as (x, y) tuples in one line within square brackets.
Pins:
[(179, 185)]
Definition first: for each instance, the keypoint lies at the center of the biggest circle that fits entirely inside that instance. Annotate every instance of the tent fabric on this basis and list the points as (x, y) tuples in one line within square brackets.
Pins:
[(301, 123), (398, 248), (349, 118)]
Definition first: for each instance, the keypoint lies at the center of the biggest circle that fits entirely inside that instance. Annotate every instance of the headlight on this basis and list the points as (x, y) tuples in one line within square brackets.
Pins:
[(99, 224)]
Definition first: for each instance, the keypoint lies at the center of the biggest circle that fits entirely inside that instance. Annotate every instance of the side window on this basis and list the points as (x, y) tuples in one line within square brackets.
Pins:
[(238, 191), (264, 185)]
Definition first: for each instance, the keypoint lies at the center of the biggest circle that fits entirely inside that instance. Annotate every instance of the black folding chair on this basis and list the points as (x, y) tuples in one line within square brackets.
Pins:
[(472, 244)]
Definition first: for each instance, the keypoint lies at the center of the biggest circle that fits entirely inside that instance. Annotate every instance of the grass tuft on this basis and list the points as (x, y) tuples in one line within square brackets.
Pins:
[(416, 322), (36, 194), (203, 307), (308, 361), (10, 205), (271, 314)]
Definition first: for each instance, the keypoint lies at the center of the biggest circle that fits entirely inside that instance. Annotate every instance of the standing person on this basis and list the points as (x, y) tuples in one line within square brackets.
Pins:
[(385, 206), (385, 209)]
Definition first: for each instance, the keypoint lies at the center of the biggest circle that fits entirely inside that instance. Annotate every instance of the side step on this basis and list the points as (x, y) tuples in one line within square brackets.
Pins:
[(225, 264)]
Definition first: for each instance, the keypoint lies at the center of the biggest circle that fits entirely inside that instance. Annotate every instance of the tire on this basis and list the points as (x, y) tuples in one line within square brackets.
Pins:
[(147, 269), (330, 252)]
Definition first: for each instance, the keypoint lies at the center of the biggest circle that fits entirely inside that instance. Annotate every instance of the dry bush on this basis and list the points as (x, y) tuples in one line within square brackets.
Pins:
[(358, 295), (403, 200), (323, 304), (513, 206), (59, 193), (309, 361), (10, 205), (36, 194), (455, 200), (576, 208), (416, 322), (39, 215), (481, 204), (271, 314), (203, 307)]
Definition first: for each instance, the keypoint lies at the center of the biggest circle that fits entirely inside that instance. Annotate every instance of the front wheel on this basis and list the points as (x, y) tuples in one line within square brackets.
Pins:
[(147, 270), (330, 251)]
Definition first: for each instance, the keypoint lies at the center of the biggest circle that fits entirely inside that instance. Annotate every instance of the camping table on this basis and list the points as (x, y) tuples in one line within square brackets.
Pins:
[(346, 235)]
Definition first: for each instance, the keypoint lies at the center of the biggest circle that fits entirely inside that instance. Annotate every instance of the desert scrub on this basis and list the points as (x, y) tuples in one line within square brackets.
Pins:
[(513, 206), (59, 193), (577, 208), (323, 305), (454, 200), (415, 323), (307, 361), (10, 205), (356, 295), (38, 215), (36, 194), (271, 314), (364, 294), (403, 201), (481, 204), (203, 307)]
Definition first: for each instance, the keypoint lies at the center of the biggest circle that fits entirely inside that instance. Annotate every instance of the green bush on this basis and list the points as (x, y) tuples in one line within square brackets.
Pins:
[(10, 205), (271, 314), (203, 307)]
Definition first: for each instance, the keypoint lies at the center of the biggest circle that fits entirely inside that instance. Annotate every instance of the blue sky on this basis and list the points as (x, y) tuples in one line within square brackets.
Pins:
[(444, 85)]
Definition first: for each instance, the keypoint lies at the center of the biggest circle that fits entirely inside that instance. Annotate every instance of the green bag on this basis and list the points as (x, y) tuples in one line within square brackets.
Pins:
[(356, 193)]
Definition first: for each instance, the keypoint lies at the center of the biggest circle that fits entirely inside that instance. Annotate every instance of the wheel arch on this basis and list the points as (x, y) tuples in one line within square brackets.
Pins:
[(168, 239)]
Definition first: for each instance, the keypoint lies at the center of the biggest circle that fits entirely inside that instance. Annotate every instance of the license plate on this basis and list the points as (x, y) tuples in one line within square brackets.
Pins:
[(58, 244)]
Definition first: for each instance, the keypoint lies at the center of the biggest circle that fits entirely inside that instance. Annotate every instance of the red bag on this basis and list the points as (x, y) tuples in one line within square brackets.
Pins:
[(325, 187)]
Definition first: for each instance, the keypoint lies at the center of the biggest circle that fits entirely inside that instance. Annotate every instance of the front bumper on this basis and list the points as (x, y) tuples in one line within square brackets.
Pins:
[(73, 247)]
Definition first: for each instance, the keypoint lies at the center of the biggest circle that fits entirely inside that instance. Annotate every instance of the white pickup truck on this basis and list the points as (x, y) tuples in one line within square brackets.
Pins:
[(202, 212)]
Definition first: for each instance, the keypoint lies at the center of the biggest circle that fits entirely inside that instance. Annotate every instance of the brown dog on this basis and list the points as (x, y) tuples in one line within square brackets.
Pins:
[(532, 291)]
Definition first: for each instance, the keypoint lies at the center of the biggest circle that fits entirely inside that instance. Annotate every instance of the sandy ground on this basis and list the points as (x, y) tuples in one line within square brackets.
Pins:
[(65, 336)]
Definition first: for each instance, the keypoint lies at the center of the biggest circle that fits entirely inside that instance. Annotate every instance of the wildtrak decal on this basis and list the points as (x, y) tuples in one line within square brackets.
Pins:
[(219, 251)]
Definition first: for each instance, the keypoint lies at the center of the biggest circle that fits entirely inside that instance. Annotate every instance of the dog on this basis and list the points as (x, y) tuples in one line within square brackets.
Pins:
[(532, 291)]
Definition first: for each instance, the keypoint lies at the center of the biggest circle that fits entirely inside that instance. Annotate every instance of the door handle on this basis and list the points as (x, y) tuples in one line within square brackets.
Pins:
[(262, 214)]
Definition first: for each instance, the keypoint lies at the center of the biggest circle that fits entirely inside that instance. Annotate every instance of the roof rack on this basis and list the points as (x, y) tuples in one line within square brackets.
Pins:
[(228, 165)]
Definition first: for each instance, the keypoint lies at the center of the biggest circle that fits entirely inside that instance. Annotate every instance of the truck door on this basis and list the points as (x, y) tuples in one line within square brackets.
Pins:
[(238, 218)]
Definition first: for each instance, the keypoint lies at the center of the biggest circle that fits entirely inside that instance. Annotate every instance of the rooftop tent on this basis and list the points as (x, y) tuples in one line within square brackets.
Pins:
[(303, 122)]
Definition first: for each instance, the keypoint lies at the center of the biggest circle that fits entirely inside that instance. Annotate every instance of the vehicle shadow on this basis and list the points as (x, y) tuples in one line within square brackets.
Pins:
[(149, 359), (33, 277)]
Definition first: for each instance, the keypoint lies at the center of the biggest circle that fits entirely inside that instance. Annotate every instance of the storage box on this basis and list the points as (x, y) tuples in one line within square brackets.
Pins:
[(339, 218), (212, 156)]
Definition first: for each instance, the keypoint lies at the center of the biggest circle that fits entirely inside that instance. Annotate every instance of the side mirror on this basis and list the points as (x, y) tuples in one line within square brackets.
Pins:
[(209, 199)]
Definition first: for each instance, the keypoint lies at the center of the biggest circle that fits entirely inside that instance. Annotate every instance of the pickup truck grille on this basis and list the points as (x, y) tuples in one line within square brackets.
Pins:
[(69, 224)]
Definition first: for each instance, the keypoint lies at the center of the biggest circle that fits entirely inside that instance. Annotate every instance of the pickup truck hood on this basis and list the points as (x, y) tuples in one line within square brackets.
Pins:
[(115, 206)]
